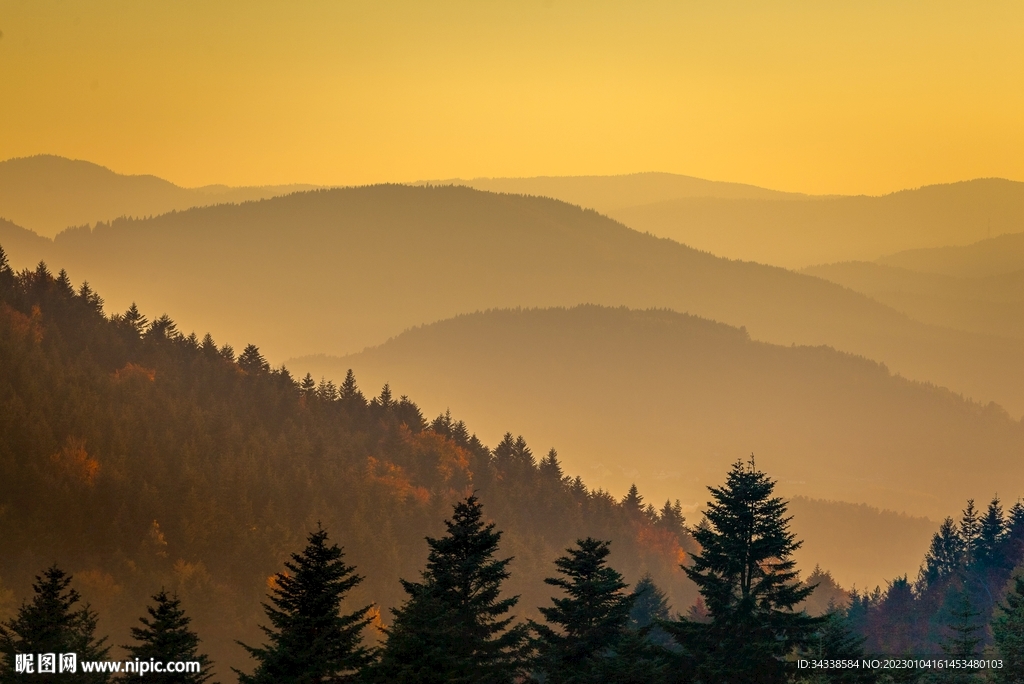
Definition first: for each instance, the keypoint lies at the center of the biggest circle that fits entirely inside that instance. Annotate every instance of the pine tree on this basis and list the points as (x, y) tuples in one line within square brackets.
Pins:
[(350, 390), (251, 361), (51, 623), (591, 619), (962, 642), (307, 387), (990, 536), (649, 610), (309, 640), (970, 529), (633, 503), (453, 626), (1008, 634), (946, 553), (749, 583), (836, 639), (165, 636), (550, 469)]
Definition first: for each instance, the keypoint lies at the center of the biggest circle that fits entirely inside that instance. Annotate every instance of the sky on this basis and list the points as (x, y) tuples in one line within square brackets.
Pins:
[(817, 97)]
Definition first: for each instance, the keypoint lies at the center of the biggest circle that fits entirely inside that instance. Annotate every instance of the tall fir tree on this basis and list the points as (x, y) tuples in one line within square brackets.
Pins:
[(455, 626), (962, 641), (583, 641), (836, 639), (970, 530), (52, 623), (166, 636), (991, 531), (748, 579), (1008, 634), (946, 553), (310, 640)]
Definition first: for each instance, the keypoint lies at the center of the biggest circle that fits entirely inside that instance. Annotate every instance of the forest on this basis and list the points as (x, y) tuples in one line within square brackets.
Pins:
[(288, 529)]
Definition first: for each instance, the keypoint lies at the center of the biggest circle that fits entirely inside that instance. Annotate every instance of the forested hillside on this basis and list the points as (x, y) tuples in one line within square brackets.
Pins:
[(138, 457), (667, 398), (334, 271), (1000, 255), (991, 304)]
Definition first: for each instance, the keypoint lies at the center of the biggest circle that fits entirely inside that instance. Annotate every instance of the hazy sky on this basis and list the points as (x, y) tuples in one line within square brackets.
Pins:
[(842, 97)]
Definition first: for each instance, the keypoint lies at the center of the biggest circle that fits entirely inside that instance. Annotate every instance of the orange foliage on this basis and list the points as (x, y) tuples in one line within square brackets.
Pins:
[(394, 479), (661, 542), (452, 461), (133, 372), (21, 325), (73, 460)]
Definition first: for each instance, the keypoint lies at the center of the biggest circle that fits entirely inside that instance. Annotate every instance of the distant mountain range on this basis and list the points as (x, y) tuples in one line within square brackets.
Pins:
[(47, 194), (786, 229), (334, 271), (991, 305), (667, 400)]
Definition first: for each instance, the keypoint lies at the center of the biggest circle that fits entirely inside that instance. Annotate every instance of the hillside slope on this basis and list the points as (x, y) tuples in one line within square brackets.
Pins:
[(609, 193), (47, 194), (333, 271), (139, 458), (667, 400), (990, 257), (992, 305), (819, 230)]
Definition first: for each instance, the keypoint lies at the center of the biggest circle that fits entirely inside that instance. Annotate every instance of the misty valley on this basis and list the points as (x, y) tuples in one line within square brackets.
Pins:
[(643, 428)]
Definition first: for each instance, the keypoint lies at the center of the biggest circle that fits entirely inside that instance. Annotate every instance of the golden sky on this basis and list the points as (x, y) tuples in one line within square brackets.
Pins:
[(820, 97)]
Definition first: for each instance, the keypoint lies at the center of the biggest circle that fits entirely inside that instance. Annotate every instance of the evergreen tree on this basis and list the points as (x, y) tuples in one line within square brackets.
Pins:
[(165, 636), (251, 361), (990, 536), (309, 640), (349, 388), (649, 610), (1008, 634), (970, 529), (591, 619), (550, 468), (837, 639), (52, 624), (633, 503), (749, 583), (307, 386), (453, 626), (962, 642), (945, 554)]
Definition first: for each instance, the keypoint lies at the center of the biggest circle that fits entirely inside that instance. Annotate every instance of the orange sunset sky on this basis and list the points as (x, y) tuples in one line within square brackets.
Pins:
[(818, 97)]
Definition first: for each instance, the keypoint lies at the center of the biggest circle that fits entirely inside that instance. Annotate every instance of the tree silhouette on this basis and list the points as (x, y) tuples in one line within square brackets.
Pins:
[(310, 641), (1008, 634), (453, 626), (589, 622), (52, 624), (166, 636), (749, 583)]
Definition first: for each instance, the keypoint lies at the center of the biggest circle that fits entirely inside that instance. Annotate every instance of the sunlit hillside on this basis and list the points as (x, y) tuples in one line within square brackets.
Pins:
[(334, 271), (47, 194), (992, 305), (667, 400)]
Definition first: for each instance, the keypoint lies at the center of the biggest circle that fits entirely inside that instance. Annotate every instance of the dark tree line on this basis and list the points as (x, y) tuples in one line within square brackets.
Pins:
[(139, 456), (153, 458)]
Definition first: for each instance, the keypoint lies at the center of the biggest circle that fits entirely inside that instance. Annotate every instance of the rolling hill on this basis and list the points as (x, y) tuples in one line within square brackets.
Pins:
[(828, 229), (990, 257), (991, 305), (668, 399), (333, 271), (47, 194), (610, 193)]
